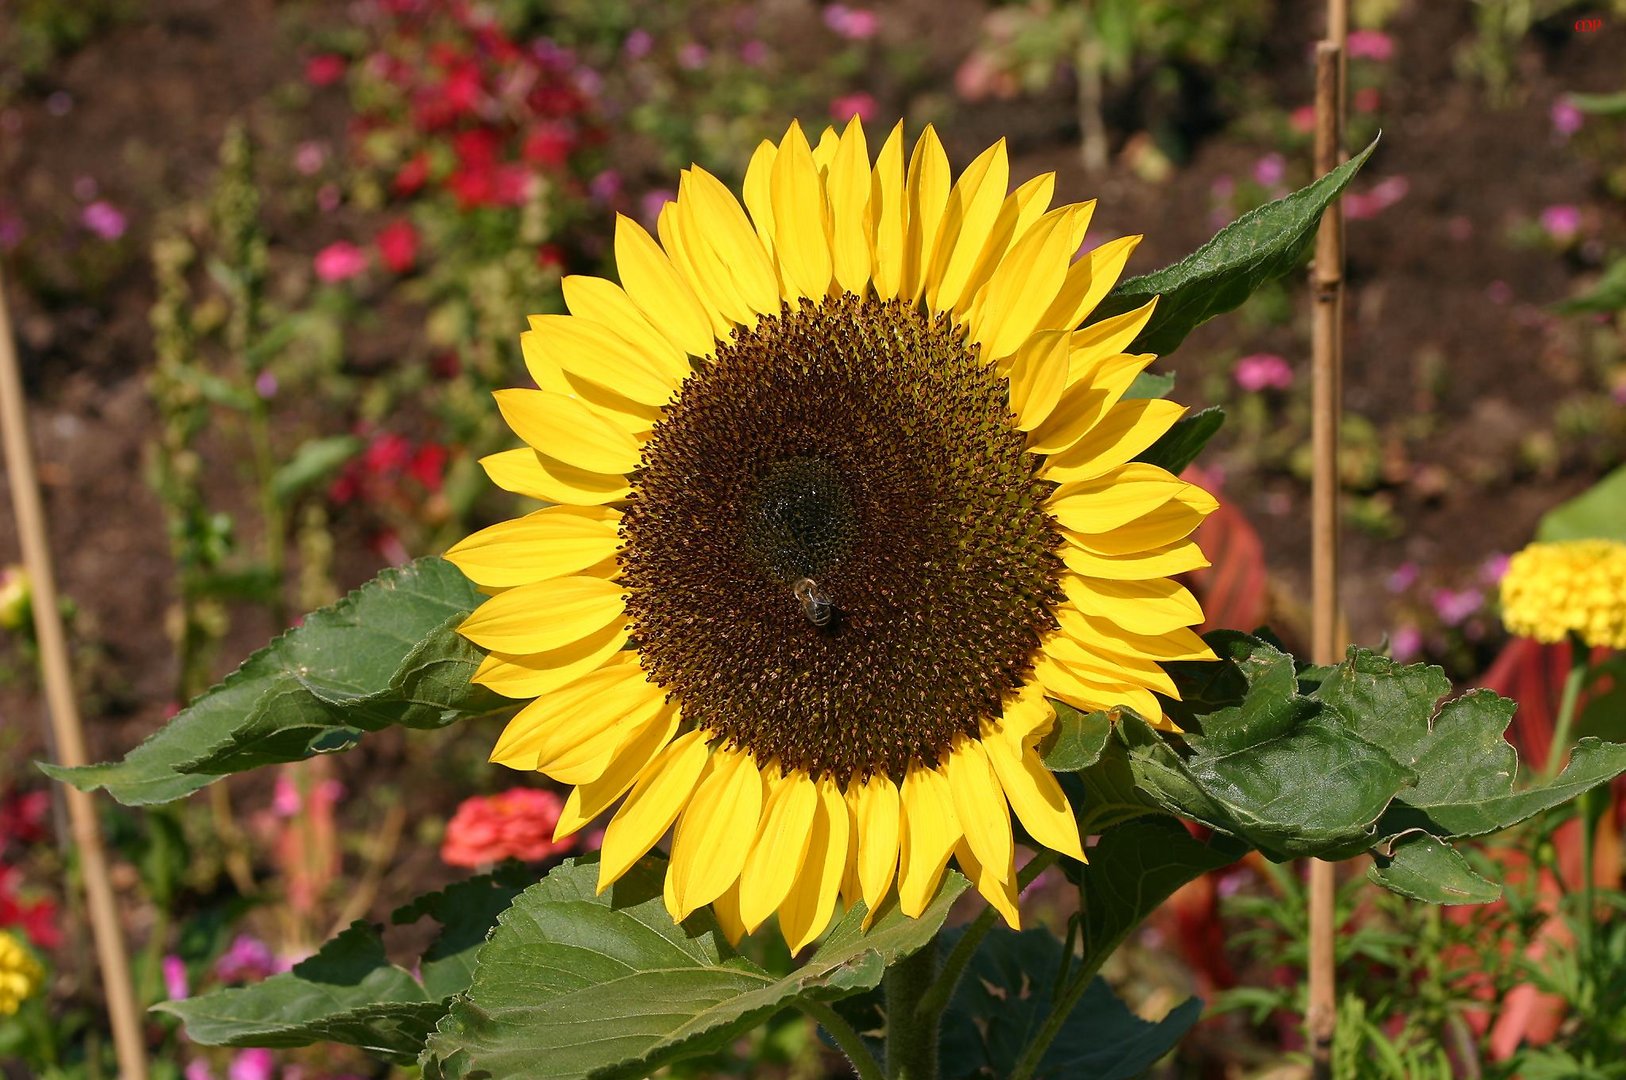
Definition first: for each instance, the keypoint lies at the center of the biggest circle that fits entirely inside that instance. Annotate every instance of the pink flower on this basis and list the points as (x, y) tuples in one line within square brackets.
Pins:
[(857, 104), (1499, 292), (1303, 119), (692, 56), (340, 261), (1371, 45), (1566, 118), (198, 1069), (309, 157), (517, 823), (104, 219), (175, 984), (1456, 606), (754, 53), (324, 69), (246, 959), (1384, 194), (1561, 222), (854, 24), (1270, 170), (1403, 577), (265, 384), (638, 44), (649, 207), (1493, 568), (1406, 644), (255, 1064), (1262, 371), (605, 186), (1367, 99), (398, 246)]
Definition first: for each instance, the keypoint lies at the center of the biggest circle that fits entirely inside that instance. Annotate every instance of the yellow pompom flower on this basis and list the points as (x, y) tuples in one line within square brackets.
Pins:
[(20, 973), (1552, 590), (841, 496)]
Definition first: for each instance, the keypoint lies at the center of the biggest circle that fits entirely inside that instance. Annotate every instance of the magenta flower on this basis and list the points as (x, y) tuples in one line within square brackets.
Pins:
[(1566, 118), (1270, 170), (1406, 644), (309, 157), (857, 104), (754, 53), (1371, 45), (639, 43), (854, 24), (1403, 577), (104, 219), (1384, 194), (1561, 222), (254, 1064), (340, 261), (175, 984), (692, 56), (1456, 606), (246, 959), (1262, 371), (1493, 568), (649, 207)]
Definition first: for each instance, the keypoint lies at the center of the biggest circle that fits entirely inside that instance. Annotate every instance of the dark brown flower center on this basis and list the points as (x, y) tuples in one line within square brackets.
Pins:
[(835, 550)]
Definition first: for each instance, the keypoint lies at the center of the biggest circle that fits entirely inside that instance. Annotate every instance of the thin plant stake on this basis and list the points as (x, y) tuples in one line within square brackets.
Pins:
[(1327, 296), (66, 729)]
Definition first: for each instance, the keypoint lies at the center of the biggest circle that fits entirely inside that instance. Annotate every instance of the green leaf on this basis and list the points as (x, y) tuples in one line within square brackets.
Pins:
[(1598, 513), (1607, 295), (574, 983), (1076, 740), (1267, 764), (1007, 996), (1150, 384), (1181, 444), (1135, 867), (386, 654), (1105, 794), (312, 462), (1426, 868), (1600, 104), (350, 993), (1465, 767), (1258, 247)]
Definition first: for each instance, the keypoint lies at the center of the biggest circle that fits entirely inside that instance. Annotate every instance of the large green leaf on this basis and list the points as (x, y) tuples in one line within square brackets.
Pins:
[(386, 654), (1598, 513), (350, 993), (1426, 868), (1076, 740), (1007, 995), (1260, 246), (1465, 767), (1180, 445), (579, 984)]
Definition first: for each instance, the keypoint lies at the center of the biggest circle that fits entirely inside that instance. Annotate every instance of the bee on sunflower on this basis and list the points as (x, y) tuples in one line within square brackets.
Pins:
[(841, 499)]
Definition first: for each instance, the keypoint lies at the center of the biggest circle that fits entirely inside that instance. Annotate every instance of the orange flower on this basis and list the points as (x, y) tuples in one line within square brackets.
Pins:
[(516, 823)]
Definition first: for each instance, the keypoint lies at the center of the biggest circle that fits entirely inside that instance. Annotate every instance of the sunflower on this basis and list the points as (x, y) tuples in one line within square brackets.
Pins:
[(841, 500)]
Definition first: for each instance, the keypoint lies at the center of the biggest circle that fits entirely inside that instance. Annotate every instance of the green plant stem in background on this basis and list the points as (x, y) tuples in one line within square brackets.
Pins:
[(911, 1038), (847, 1038), (1580, 658)]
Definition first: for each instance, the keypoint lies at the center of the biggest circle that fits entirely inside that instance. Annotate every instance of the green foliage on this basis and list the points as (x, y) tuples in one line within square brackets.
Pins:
[(1180, 445), (1607, 295), (576, 983), (313, 462), (386, 654), (1260, 246), (1598, 513), (350, 993), (1425, 868), (1077, 739)]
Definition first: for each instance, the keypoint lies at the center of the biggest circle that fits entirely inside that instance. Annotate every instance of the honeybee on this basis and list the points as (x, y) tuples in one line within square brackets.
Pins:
[(815, 605)]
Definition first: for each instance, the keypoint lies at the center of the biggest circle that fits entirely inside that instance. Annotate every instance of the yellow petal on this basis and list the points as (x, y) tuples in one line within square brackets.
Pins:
[(1113, 499), (758, 193), (848, 183), (1088, 282), (1097, 691), (695, 264), (1174, 520), (714, 836), (800, 216), (527, 675), (1092, 391), (927, 192), (607, 303), (979, 804), (1035, 797), (565, 715), (722, 225), (1012, 303), (998, 889), (654, 803), (727, 909), (566, 429), (1144, 607), (825, 152), (658, 290), (597, 353), (1038, 372), (812, 899), (876, 814), (548, 543), (588, 801), (545, 615), (973, 207), (538, 476), (1022, 207), (1127, 429), (1114, 335), (777, 851), (887, 217), (1094, 630), (588, 759), (1178, 558), (930, 831), (1107, 667), (1027, 719)]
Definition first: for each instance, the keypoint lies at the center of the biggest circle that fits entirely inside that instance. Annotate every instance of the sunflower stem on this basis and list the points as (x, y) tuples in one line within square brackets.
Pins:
[(847, 1039), (911, 1037)]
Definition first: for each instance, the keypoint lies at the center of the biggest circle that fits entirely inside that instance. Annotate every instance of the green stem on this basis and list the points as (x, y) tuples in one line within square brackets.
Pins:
[(911, 1038), (846, 1037), (937, 997), (1028, 1065), (1580, 658), (1589, 836)]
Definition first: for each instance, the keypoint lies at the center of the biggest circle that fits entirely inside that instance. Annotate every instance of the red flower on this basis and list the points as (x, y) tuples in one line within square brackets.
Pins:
[(548, 145), (413, 175), (324, 69), (398, 246), (518, 823), (428, 466), (36, 918), (22, 816), (550, 257)]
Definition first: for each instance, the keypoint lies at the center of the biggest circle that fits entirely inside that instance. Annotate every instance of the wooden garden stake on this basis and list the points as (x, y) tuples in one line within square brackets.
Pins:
[(1326, 284), (68, 733)]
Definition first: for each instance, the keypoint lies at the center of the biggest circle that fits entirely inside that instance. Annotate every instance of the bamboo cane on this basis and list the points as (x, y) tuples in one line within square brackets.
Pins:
[(1326, 281), (66, 729)]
